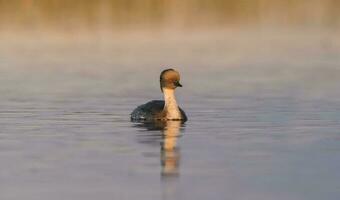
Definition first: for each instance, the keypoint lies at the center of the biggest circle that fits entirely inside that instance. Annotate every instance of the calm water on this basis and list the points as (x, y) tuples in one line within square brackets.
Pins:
[(263, 123)]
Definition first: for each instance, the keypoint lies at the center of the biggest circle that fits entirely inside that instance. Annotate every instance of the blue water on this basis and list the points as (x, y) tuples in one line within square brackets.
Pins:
[(257, 129)]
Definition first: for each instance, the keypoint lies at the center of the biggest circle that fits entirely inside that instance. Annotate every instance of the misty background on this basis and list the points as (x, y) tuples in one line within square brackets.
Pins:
[(77, 15), (244, 45)]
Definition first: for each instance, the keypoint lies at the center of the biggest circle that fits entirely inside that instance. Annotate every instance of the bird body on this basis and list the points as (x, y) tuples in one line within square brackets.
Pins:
[(153, 110)]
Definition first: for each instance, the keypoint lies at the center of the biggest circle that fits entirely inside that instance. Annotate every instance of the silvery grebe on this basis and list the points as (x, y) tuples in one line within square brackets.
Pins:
[(162, 110)]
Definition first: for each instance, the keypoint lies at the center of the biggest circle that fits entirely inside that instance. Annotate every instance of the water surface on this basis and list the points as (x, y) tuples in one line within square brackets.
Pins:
[(263, 123)]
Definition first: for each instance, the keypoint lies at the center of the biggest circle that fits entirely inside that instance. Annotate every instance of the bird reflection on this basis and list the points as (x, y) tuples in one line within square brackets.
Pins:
[(168, 135), (169, 152)]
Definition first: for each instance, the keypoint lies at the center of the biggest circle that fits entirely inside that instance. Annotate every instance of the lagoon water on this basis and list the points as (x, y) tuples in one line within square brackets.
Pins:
[(264, 118)]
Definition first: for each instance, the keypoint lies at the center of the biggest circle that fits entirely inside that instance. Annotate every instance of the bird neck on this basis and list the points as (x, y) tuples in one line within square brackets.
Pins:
[(171, 107)]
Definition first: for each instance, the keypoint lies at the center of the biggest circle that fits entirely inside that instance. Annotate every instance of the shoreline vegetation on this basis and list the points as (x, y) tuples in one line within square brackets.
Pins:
[(118, 15)]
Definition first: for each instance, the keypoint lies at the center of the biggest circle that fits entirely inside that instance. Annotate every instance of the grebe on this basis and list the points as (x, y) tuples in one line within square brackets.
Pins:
[(162, 110)]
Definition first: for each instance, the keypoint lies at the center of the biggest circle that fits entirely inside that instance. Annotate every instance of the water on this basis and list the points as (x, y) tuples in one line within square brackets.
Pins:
[(263, 124)]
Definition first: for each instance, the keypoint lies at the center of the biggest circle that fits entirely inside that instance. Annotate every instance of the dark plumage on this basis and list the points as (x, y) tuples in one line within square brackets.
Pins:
[(153, 110)]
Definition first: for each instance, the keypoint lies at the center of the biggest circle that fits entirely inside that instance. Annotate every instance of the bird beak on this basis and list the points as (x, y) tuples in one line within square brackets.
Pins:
[(177, 84)]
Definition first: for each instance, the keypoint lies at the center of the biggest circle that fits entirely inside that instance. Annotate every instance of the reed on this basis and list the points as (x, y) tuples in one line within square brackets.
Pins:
[(177, 14)]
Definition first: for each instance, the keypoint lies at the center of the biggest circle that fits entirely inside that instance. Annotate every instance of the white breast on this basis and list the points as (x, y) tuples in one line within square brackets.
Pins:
[(171, 107)]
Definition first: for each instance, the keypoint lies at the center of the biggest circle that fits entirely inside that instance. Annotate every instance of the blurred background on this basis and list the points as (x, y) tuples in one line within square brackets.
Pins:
[(269, 39), (162, 15)]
